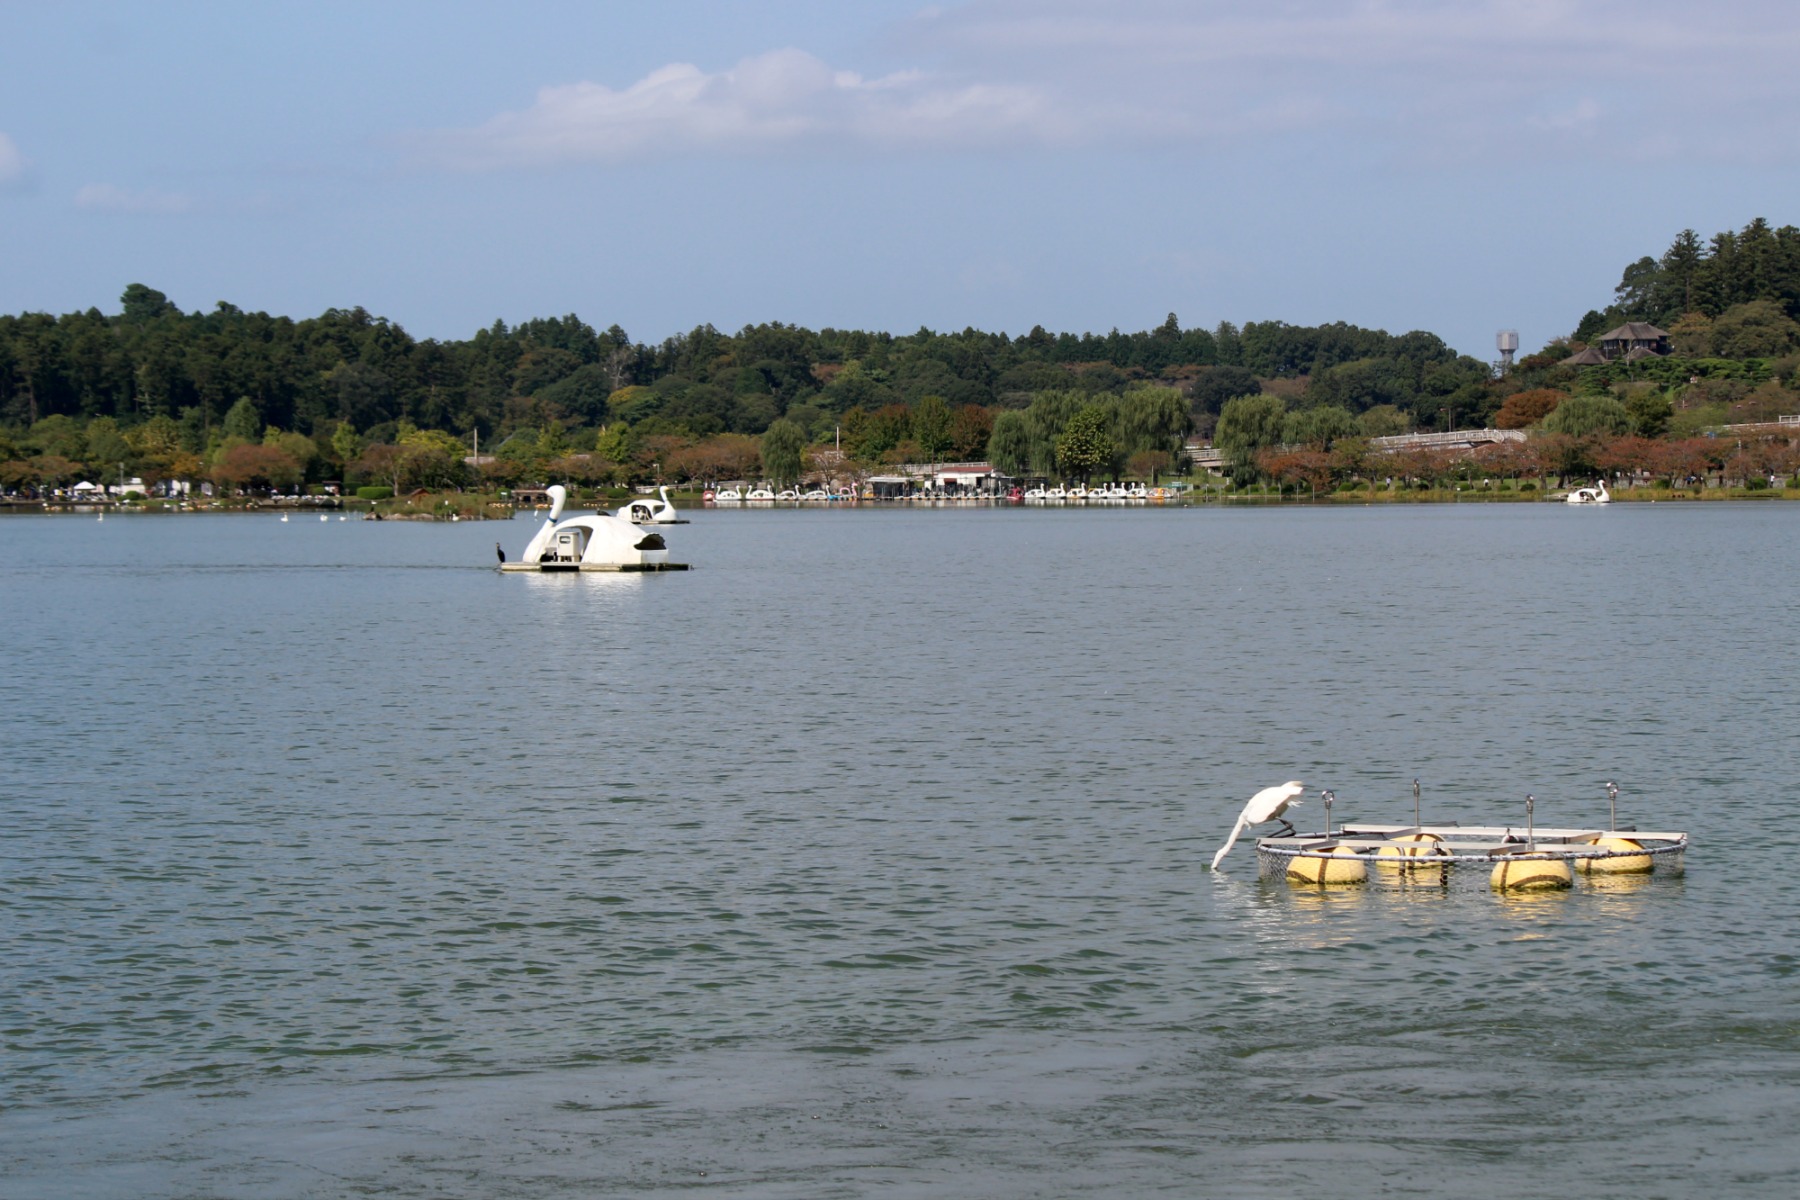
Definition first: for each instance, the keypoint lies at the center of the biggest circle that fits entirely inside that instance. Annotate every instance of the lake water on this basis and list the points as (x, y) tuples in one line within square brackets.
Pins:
[(869, 857)]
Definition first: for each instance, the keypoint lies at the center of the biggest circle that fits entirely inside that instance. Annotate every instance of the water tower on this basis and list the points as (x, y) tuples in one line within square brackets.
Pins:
[(1508, 342)]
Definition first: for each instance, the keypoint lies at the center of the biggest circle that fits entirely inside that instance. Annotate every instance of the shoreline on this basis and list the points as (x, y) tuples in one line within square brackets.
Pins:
[(492, 510)]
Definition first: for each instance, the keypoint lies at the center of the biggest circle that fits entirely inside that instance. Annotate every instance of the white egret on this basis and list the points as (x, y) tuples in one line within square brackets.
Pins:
[(1266, 805)]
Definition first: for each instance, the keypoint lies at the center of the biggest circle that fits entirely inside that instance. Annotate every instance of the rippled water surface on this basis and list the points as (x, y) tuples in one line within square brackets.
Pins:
[(868, 858)]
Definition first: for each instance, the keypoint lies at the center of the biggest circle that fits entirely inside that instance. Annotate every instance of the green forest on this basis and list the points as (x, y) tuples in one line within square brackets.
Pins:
[(252, 401)]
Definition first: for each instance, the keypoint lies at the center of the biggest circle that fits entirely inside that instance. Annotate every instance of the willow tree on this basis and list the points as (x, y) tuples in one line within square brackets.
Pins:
[(1045, 419), (1318, 428), (1153, 420), (782, 447), (1587, 416), (1009, 446), (1248, 424)]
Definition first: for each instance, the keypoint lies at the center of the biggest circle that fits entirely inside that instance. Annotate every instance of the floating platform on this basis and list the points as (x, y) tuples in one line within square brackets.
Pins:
[(1511, 858)]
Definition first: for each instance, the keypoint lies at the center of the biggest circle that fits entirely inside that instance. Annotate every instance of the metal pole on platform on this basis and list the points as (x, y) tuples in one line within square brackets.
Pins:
[(1612, 803), (1417, 824)]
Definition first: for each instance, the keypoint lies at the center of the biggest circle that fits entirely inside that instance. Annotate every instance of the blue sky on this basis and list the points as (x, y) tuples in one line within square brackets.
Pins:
[(1080, 164)]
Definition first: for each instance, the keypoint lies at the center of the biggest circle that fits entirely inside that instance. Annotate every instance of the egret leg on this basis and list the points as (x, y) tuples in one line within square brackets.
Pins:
[(1287, 827)]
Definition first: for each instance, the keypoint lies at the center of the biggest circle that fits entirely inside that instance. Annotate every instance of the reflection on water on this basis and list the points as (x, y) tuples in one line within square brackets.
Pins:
[(869, 857), (1632, 887)]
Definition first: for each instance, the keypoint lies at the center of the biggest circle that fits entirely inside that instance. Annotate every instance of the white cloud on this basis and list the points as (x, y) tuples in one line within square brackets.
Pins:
[(773, 100), (1477, 79), (1584, 114), (106, 197), (1371, 37), (12, 163), (1593, 76)]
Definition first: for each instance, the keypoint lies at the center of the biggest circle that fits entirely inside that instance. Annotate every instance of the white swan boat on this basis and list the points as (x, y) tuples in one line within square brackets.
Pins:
[(728, 495), (1590, 495), (659, 510), (600, 542)]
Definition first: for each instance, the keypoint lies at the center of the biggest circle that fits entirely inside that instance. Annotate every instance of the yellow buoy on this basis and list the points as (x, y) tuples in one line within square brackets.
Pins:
[(1337, 865), (1404, 857), (1629, 864), (1531, 875)]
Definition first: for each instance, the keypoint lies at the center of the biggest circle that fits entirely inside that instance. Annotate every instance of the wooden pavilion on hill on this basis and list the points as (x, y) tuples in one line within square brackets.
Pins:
[(1631, 341), (1631, 337)]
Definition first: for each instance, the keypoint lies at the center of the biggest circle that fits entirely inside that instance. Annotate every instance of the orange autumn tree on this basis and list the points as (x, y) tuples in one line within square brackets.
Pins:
[(1626, 455), (249, 465), (1294, 467), (1525, 409)]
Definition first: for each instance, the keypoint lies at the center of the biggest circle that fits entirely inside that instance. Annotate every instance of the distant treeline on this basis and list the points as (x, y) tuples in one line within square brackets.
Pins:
[(351, 367), (254, 401)]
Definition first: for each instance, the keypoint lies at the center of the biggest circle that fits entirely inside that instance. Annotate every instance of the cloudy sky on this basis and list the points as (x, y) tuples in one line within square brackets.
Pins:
[(1460, 166)]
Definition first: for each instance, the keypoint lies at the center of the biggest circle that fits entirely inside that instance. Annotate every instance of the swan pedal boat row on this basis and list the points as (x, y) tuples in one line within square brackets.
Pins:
[(1102, 491), (732, 495)]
